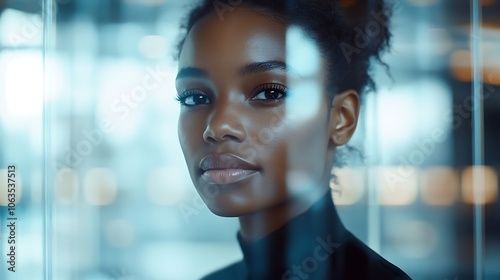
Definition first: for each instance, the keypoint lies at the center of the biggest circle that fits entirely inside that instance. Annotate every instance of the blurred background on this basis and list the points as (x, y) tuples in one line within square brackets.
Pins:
[(89, 119)]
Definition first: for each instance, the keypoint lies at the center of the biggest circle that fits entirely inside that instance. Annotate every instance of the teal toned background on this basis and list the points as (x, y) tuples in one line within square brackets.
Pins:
[(87, 115)]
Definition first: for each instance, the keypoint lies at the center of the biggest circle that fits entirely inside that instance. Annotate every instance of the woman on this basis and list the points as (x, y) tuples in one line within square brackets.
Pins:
[(259, 129)]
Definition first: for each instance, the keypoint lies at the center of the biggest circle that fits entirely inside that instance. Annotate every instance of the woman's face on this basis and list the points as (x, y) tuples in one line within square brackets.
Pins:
[(250, 142)]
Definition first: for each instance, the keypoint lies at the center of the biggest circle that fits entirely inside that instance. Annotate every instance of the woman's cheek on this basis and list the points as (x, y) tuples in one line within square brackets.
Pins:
[(190, 133), (278, 121), (249, 150)]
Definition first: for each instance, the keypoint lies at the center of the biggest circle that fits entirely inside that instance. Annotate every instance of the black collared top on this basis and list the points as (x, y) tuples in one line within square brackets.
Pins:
[(314, 245)]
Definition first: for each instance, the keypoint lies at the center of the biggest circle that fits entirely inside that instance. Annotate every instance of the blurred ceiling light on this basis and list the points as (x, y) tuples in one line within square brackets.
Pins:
[(397, 185), (397, 102), (120, 233), (166, 186), (350, 187), (483, 179), (440, 185), (400, 137), (100, 186), (4, 188), (66, 186), (20, 29), (24, 84), (153, 47)]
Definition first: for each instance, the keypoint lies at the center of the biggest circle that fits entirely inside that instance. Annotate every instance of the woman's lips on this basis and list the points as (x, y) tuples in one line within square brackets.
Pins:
[(226, 168), (227, 176)]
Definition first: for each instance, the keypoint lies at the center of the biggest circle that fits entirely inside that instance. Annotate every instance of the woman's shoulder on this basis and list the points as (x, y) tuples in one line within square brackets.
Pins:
[(355, 260), (352, 259)]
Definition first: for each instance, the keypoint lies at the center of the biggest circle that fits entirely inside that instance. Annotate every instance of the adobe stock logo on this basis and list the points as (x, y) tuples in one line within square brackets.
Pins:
[(371, 30), (122, 107), (310, 264), (32, 23)]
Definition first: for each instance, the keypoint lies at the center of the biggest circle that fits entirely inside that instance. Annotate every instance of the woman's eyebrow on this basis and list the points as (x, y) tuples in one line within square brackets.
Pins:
[(191, 72), (252, 68), (258, 67)]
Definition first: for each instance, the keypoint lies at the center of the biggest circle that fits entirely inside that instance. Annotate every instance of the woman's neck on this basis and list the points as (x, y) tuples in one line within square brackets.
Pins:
[(258, 225)]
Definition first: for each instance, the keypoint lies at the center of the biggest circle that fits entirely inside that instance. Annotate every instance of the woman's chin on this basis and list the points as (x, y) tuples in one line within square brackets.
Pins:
[(227, 208), (227, 205), (226, 213)]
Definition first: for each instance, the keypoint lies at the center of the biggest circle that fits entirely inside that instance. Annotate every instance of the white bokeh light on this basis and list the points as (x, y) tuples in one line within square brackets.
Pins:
[(24, 84)]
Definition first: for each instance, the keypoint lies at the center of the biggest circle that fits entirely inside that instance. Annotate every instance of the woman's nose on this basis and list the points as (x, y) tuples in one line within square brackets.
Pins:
[(225, 123)]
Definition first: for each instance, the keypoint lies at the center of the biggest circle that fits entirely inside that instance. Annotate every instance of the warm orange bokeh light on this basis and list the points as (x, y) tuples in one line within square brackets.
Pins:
[(461, 65), (350, 187), (480, 178), (487, 2), (397, 185), (67, 186), (100, 186), (439, 185)]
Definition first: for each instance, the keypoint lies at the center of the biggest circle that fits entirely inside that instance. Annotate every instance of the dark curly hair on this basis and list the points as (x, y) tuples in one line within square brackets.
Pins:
[(349, 33)]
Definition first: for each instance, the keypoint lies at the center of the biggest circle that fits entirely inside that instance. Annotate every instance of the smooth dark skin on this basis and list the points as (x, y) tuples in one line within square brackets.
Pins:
[(236, 121)]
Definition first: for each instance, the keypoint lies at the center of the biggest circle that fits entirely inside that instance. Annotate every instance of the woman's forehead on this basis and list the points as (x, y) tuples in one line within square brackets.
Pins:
[(241, 36)]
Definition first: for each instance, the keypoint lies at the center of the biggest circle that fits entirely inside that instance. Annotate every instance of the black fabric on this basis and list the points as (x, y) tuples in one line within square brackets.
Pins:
[(313, 245)]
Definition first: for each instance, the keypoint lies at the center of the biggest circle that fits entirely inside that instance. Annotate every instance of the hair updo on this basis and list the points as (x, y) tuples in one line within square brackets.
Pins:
[(349, 33)]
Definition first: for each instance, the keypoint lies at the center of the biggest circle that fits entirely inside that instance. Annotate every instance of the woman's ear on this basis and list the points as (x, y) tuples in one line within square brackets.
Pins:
[(344, 116)]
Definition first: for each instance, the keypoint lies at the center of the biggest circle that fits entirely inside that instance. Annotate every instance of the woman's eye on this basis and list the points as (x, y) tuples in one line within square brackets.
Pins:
[(193, 99), (270, 93)]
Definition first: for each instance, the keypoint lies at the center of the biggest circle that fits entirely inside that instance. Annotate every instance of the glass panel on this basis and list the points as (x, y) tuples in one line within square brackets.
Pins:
[(22, 140), (89, 122)]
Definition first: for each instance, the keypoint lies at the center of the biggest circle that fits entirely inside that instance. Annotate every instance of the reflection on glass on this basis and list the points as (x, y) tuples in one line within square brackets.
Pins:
[(91, 125)]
